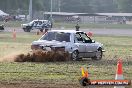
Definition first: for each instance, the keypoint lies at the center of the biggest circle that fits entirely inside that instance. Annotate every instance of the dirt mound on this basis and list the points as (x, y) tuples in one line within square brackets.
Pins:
[(43, 56)]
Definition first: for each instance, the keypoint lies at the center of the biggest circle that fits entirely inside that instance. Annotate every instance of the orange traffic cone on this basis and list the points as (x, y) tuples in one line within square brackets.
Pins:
[(119, 73), (84, 73), (14, 34), (84, 79)]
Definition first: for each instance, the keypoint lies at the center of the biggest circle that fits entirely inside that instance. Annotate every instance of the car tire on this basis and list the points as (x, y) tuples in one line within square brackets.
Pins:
[(27, 29), (24, 29), (41, 30), (98, 55), (2, 28), (74, 55)]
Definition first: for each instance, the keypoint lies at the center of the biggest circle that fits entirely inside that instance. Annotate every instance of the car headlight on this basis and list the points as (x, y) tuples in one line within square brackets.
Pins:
[(23, 25), (102, 46)]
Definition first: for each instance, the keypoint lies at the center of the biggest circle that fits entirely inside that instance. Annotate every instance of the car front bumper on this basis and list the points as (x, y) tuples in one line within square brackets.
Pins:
[(103, 51)]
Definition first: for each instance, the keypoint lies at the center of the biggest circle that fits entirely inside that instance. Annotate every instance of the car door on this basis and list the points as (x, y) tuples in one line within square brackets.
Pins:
[(90, 49), (40, 24), (89, 45), (80, 44), (35, 23)]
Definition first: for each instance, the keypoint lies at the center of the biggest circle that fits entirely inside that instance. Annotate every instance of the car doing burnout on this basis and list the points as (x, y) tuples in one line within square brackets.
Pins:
[(77, 43)]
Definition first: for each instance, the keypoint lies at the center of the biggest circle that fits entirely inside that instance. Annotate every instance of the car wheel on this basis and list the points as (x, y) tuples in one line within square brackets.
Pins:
[(74, 55), (41, 30), (26, 30), (98, 55)]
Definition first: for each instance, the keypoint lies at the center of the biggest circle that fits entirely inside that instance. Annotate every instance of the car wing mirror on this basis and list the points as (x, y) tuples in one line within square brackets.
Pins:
[(93, 41)]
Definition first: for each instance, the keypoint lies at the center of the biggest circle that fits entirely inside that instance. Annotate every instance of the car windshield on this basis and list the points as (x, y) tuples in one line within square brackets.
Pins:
[(58, 36)]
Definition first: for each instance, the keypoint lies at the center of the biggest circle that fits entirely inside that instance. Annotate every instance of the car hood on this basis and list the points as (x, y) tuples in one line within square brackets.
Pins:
[(28, 24), (24, 24), (50, 43), (98, 44)]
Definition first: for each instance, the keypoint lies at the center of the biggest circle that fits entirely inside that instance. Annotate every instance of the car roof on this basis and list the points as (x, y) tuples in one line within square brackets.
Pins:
[(65, 31), (40, 20)]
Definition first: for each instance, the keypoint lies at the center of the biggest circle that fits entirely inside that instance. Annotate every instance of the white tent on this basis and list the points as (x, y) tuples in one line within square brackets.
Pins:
[(3, 13)]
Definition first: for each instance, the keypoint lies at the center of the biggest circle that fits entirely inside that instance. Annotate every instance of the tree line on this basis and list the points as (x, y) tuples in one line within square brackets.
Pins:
[(83, 6)]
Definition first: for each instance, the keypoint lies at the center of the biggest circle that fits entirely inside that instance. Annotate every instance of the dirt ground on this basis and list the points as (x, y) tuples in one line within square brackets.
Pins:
[(37, 85)]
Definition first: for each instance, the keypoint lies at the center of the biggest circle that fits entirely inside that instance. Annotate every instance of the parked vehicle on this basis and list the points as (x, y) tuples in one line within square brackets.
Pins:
[(77, 43), (37, 24), (2, 27)]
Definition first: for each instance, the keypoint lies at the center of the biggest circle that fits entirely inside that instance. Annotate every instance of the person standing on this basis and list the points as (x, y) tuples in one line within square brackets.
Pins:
[(77, 27), (14, 34)]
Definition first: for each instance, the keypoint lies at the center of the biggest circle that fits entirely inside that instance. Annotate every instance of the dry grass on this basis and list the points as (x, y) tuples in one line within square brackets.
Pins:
[(117, 47)]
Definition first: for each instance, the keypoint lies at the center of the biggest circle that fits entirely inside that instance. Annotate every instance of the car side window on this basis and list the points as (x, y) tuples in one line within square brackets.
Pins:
[(85, 38), (82, 38), (78, 38), (35, 23), (40, 22)]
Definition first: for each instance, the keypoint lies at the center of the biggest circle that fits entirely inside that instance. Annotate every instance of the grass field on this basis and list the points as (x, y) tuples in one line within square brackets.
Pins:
[(117, 47)]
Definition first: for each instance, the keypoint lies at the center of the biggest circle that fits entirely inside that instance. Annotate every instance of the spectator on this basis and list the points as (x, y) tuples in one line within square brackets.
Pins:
[(77, 27)]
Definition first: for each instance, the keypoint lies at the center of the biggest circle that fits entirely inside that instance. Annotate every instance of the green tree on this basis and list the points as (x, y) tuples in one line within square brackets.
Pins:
[(103, 6), (76, 6), (84, 6), (125, 5)]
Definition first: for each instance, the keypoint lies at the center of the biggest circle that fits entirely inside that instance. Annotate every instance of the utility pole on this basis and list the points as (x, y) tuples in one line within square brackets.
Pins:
[(51, 10), (59, 5), (30, 11)]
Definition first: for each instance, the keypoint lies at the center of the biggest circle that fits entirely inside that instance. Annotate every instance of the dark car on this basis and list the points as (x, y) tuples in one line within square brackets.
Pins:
[(1, 27)]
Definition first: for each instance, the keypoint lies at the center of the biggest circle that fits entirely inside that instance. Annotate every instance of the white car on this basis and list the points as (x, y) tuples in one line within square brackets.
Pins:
[(77, 43), (37, 24)]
